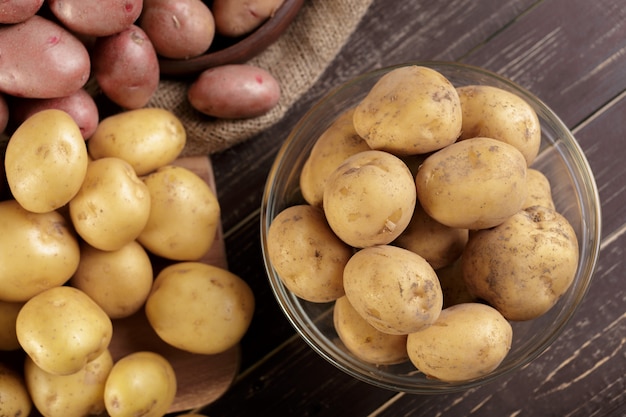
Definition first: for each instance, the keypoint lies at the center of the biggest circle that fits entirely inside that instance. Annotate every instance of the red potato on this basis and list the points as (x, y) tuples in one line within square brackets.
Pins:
[(79, 105), (234, 91), (96, 17), (16, 11), (126, 67), (178, 29), (41, 59)]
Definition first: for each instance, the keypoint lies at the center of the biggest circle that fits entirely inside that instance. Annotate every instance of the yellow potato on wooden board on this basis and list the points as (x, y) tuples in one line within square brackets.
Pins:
[(369, 199), (523, 266), (38, 251), (307, 256), (16, 11), (235, 18), (78, 394), (410, 110), (393, 289), (476, 183), (62, 329), (467, 341), (46, 161), (96, 17), (15, 400), (365, 341), (539, 190)]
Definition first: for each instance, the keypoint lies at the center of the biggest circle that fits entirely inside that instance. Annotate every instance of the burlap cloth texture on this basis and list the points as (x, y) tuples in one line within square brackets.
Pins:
[(297, 59)]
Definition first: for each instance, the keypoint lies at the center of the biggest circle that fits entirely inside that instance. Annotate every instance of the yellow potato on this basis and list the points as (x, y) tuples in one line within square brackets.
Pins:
[(113, 204), (140, 384), (467, 341), (14, 400), (338, 142), (369, 199), (307, 256), (77, 394), (119, 281), (410, 110), (473, 184), (539, 190), (62, 329), (499, 114), (38, 251), (46, 161), (363, 340), (146, 138), (200, 308), (393, 289), (523, 266), (8, 316), (184, 214)]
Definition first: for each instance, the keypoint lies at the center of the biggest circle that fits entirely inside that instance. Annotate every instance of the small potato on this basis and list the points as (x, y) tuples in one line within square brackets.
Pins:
[(140, 384), (467, 341), (77, 394), (234, 91), (499, 114), (473, 184), (363, 340), (8, 316), (16, 11), (146, 138), (184, 215), (41, 59), (307, 256), (178, 29), (523, 266), (234, 18), (337, 143), (46, 161), (200, 308), (15, 400), (393, 289), (539, 190), (119, 281), (62, 329), (96, 17), (126, 67), (410, 110), (369, 199), (38, 251)]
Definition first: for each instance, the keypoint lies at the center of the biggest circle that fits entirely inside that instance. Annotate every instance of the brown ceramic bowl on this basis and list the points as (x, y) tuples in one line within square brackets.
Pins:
[(236, 51)]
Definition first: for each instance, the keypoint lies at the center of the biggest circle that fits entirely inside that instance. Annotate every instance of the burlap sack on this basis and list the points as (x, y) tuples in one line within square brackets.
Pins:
[(296, 60)]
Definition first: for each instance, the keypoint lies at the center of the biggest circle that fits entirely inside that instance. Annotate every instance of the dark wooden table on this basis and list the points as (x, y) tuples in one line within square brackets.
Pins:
[(570, 53)]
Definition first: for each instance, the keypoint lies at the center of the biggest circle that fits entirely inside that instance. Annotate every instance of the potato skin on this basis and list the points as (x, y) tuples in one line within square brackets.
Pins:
[(472, 184), (96, 17), (307, 256), (16, 400), (539, 190), (467, 341), (393, 289), (16, 11), (234, 91), (41, 60), (234, 18), (523, 266)]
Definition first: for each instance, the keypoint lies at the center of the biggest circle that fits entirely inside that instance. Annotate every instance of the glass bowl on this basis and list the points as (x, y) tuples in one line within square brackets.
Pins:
[(575, 196)]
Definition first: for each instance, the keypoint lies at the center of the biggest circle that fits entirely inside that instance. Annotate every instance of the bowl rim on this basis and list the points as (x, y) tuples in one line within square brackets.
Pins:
[(591, 238)]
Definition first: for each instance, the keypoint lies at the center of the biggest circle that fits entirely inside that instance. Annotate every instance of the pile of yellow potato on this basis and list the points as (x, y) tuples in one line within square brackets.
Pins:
[(426, 226), (83, 227)]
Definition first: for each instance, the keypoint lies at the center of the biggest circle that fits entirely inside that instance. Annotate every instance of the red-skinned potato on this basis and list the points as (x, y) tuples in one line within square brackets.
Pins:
[(16, 11), (126, 67), (41, 59), (178, 29), (234, 91), (80, 106), (96, 17)]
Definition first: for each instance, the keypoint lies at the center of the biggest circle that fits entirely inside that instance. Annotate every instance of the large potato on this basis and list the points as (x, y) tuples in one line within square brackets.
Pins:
[(335, 144), (200, 308), (38, 251), (467, 341), (499, 114), (146, 138), (15, 400), (46, 161), (369, 199), (307, 256), (62, 329), (234, 18), (184, 214), (41, 59), (393, 289), (96, 17), (410, 110), (473, 184), (523, 266)]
